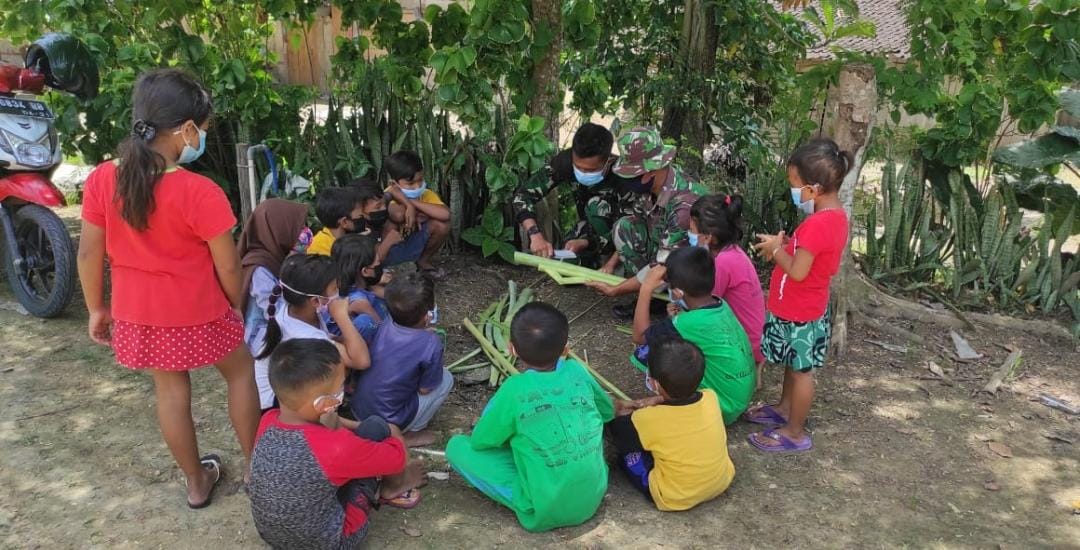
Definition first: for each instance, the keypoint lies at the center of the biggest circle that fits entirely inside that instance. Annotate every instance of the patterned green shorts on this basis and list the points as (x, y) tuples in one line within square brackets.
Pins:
[(801, 346)]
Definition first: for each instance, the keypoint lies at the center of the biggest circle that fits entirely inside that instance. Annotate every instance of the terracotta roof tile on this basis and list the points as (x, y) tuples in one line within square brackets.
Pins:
[(892, 40)]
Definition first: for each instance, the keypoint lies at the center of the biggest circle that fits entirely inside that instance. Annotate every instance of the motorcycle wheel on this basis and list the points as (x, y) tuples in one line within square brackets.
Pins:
[(45, 281)]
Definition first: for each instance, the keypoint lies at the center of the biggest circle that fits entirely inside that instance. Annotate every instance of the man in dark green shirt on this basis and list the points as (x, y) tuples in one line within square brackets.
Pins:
[(600, 196)]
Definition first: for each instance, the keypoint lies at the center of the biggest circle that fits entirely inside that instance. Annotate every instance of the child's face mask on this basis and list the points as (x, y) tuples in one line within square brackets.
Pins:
[(680, 301), (433, 316), (650, 385), (416, 193)]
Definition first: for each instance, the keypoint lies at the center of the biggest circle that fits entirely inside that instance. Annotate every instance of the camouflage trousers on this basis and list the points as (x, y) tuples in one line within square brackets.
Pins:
[(634, 243)]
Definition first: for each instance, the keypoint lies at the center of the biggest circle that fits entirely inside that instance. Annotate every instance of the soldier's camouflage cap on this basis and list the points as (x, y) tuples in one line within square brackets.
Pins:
[(642, 150)]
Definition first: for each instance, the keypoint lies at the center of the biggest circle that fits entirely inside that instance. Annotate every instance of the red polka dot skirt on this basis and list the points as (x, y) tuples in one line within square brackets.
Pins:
[(176, 348)]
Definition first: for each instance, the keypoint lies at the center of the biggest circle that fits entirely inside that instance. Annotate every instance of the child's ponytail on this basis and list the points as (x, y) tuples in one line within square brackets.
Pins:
[(163, 99), (273, 330), (302, 276), (720, 217)]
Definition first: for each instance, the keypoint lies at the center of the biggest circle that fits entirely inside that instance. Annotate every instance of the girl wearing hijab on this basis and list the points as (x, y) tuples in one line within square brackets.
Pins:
[(276, 228)]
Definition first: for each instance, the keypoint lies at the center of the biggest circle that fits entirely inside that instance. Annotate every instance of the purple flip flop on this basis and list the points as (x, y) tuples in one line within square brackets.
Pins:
[(787, 445), (765, 415)]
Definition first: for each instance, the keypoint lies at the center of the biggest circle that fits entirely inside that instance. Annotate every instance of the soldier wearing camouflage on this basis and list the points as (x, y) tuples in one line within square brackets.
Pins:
[(599, 201), (655, 224)]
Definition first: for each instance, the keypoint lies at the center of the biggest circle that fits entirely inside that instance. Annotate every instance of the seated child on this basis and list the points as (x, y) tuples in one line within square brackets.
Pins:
[(419, 213), (406, 383), (340, 211), (275, 229), (359, 281), (715, 226), (706, 321), (308, 284), (675, 451), (538, 446), (314, 486)]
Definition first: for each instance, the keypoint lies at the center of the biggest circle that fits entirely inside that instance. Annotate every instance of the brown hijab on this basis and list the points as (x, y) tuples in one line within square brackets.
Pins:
[(268, 237)]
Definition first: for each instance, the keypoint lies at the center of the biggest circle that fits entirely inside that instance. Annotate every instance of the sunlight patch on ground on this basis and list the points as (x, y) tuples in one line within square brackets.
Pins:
[(896, 411)]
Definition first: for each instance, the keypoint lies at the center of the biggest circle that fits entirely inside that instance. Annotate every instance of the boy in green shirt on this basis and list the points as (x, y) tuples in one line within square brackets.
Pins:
[(700, 318), (538, 446)]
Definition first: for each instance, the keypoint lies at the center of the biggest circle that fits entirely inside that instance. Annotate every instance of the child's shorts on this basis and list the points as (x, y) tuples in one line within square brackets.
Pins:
[(410, 249), (801, 346)]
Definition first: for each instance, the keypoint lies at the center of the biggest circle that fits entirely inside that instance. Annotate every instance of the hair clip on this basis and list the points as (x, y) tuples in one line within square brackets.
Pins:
[(143, 130), (727, 200)]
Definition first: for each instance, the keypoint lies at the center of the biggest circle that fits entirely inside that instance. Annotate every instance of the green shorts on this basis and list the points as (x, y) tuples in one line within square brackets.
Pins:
[(801, 346)]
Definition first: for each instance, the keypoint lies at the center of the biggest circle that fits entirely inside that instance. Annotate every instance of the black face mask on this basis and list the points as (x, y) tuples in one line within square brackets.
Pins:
[(359, 225), (635, 185), (374, 279), (377, 219)]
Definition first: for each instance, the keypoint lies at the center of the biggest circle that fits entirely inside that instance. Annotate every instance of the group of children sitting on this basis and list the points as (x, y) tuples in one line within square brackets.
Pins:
[(537, 447)]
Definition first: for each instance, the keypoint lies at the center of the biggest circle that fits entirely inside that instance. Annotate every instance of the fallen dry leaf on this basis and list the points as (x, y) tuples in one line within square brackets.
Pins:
[(935, 369), (1000, 449), (991, 486), (410, 531), (983, 437)]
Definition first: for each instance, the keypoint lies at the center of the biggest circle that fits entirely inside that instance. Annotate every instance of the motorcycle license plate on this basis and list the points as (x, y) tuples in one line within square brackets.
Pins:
[(24, 107)]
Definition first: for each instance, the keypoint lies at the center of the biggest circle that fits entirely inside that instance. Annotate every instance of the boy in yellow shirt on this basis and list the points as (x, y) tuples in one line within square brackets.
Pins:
[(340, 211), (675, 449), (421, 216)]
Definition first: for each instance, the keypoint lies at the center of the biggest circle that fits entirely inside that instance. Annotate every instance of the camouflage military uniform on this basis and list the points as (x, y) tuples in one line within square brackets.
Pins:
[(653, 226), (598, 206)]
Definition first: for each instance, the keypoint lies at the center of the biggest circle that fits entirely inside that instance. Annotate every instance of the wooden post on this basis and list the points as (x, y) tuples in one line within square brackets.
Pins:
[(547, 103), (243, 182), (852, 106)]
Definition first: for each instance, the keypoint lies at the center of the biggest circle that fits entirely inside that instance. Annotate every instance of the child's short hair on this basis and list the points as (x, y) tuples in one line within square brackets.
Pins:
[(334, 203), (352, 253), (691, 270), (821, 162), (366, 189), (409, 297), (539, 332), (403, 165), (719, 216), (678, 365), (592, 140), (298, 363)]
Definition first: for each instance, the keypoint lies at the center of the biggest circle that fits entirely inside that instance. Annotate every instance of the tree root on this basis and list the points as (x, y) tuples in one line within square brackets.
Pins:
[(875, 303)]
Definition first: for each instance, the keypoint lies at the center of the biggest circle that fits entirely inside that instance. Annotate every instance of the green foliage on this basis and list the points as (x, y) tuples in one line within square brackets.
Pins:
[(222, 43), (971, 59), (1062, 144), (975, 247), (491, 235)]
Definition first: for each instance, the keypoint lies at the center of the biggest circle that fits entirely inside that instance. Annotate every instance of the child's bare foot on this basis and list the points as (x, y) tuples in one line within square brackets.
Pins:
[(200, 488), (397, 487), (420, 438), (769, 415)]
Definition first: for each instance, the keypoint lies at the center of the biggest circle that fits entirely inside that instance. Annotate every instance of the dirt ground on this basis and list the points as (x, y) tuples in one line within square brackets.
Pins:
[(900, 460)]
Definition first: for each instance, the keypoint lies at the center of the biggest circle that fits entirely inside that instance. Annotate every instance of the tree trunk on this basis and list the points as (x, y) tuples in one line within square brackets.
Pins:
[(852, 105), (697, 56), (547, 101)]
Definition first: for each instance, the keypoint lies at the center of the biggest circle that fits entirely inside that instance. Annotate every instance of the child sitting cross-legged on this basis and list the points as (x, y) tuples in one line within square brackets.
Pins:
[(406, 383), (360, 282), (706, 321), (538, 446), (675, 450), (313, 485)]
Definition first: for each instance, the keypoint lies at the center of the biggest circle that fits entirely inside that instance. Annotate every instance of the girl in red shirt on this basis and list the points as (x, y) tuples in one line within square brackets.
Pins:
[(175, 273), (798, 326)]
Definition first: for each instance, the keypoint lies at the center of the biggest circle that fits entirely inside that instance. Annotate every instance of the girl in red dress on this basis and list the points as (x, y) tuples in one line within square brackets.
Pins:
[(175, 273)]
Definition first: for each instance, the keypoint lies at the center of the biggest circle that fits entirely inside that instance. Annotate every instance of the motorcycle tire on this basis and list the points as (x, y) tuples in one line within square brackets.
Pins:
[(36, 226)]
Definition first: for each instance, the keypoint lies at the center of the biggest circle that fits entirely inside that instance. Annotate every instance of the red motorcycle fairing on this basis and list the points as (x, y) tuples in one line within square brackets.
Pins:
[(31, 187)]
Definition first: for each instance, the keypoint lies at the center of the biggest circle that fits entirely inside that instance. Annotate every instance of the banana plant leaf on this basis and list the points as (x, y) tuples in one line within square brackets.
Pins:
[(1040, 152)]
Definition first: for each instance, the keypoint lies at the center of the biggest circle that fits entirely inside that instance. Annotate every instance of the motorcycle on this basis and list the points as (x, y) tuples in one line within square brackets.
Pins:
[(39, 257)]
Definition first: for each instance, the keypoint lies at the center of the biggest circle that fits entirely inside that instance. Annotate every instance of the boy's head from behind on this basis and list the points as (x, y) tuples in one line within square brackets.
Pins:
[(307, 376), (405, 169), (338, 207), (410, 297), (369, 194), (677, 366), (691, 270), (538, 334)]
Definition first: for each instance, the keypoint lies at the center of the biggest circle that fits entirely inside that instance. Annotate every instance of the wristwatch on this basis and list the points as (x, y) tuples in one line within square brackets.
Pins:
[(534, 230)]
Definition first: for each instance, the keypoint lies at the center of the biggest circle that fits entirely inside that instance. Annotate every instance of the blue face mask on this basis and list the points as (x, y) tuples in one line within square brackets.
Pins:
[(414, 194), (692, 238), (588, 179), (189, 154), (805, 207), (680, 302), (433, 316)]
